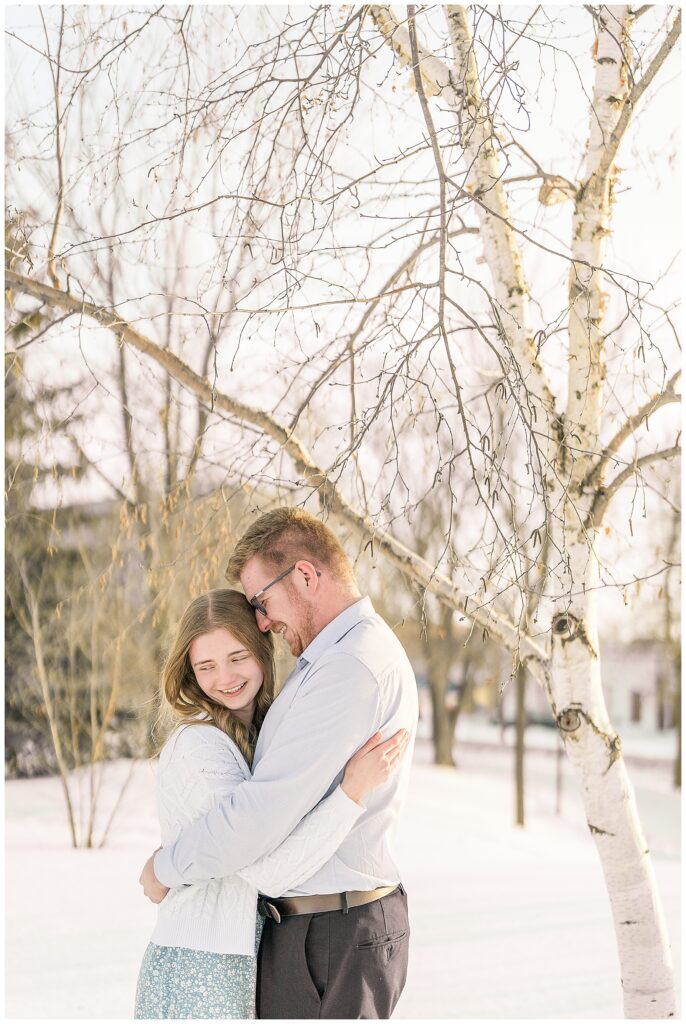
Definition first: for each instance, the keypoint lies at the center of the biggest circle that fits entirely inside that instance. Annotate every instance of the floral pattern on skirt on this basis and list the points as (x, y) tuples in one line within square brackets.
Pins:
[(175, 983)]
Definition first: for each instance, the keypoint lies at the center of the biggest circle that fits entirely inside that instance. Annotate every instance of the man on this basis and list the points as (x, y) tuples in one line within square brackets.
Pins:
[(337, 947)]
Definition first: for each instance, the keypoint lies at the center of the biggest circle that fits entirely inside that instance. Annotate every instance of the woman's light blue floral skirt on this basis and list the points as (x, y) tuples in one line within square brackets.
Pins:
[(176, 983)]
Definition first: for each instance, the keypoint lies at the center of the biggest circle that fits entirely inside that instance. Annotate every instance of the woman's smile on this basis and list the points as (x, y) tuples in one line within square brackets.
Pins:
[(235, 689)]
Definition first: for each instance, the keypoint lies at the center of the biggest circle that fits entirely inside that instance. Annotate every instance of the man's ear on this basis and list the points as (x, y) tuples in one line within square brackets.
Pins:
[(309, 573)]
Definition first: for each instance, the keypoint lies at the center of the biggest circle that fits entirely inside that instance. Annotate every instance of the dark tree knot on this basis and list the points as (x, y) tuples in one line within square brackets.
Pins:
[(564, 625), (569, 720)]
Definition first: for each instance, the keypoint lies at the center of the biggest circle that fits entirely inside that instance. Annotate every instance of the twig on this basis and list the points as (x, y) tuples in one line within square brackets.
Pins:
[(605, 494), (631, 425)]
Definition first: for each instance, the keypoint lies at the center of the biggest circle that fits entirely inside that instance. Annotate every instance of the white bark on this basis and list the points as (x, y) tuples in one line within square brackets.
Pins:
[(578, 702), (435, 74), (484, 180)]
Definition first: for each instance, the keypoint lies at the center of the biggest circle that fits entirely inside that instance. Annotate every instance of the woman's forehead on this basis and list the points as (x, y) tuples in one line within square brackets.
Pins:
[(217, 641)]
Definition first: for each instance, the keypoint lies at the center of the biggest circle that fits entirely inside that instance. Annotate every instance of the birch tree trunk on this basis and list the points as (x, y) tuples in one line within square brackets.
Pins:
[(592, 745)]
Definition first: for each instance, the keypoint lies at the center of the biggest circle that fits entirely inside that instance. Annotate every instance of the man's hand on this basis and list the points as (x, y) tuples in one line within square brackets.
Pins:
[(153, 889)]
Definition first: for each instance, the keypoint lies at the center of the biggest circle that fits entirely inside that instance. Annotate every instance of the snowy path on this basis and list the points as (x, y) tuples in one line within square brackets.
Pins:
[(505, 923)]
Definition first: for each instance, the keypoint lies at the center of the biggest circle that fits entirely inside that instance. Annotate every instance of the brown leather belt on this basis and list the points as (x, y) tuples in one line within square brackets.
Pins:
[(289, 906)]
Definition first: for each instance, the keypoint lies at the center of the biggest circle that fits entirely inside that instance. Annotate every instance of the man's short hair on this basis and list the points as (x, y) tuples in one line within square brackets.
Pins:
[(286, 535)]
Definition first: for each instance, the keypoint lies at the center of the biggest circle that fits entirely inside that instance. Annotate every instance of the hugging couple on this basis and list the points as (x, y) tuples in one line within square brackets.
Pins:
[(278, 893)]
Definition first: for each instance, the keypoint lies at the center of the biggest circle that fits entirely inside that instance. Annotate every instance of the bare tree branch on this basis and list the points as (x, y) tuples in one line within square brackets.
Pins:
[(312, 475), (605, 494), (58, 148), (666, 397)]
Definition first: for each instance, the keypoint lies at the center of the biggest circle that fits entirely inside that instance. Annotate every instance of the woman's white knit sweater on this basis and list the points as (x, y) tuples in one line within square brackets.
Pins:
[(198, 766)]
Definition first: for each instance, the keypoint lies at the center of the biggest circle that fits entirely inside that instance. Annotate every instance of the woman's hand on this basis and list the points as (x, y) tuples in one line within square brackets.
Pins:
[(373, 764), (152, 887)]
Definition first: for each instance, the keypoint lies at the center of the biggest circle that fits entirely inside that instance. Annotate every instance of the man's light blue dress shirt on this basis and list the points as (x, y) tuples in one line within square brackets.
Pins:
[(353, 679)]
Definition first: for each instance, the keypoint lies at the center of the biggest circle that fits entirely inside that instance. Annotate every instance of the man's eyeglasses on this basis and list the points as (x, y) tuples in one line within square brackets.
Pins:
[(255, 599)]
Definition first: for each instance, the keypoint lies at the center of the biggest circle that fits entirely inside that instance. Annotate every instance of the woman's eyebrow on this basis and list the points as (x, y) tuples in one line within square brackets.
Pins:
[(210, 661)]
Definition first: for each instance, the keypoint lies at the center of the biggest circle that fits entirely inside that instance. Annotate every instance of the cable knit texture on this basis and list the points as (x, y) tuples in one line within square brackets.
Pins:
[(199, 765)]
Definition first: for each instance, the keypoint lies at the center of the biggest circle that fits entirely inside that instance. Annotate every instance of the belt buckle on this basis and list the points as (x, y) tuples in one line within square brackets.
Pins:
[(268, 909)]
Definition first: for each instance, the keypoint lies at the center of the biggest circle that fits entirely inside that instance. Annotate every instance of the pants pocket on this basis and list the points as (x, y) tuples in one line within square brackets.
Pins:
[(316, 955), (382, 940)]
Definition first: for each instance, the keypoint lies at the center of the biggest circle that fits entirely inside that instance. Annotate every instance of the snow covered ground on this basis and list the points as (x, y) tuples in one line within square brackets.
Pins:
[(506, 923)]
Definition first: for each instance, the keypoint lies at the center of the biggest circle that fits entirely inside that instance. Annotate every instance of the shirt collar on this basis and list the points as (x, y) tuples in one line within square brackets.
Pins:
[(335, 630)]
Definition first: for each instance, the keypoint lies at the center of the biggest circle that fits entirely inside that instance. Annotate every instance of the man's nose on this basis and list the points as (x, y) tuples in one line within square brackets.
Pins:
[(263, 622)]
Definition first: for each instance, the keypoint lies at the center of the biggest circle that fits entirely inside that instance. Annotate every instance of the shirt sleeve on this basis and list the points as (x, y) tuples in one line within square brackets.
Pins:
[(335, 711)]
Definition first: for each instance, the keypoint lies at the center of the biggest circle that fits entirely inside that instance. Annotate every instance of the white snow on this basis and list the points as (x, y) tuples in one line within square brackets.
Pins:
[(506, 923)]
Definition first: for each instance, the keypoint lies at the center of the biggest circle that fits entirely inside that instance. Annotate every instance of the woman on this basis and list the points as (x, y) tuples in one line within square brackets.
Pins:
[(217, 683)]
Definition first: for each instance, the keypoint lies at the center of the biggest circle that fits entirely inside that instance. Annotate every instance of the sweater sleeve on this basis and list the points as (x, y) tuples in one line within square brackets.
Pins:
[(197, 769), (307, 848)]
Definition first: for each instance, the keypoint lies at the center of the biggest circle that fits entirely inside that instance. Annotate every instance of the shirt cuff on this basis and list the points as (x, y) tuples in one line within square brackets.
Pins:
[(165, 872), (344, 808)]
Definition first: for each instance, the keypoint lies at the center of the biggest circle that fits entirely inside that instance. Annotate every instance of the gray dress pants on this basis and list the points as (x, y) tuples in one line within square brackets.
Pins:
[(335, 966)]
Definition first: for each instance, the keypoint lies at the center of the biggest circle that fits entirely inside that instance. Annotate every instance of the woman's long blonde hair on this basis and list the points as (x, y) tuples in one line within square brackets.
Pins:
[(182, 698)]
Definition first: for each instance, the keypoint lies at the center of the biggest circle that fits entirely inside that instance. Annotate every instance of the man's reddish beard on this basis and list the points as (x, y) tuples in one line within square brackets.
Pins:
[(305, 630), (309, 628)]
